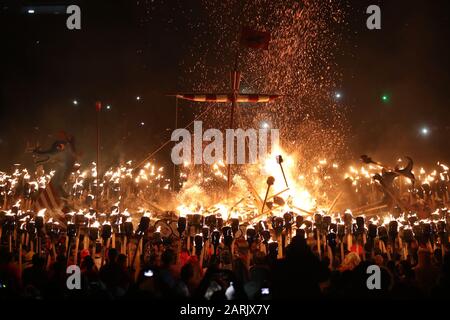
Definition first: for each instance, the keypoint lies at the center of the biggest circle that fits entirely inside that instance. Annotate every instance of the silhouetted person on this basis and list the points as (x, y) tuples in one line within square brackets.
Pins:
[(299, 274), (425, 272), (166, 277), (89, 269), (405, 286), (126, 278), (111, 274), (442, 290), (35, 278), (259, 275), (9, 276), (57, 286), (184, 286)]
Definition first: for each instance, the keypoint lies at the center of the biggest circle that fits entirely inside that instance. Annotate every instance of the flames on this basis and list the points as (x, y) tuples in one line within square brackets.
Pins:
[(305, 188), (302, 192), (95, 224), (41, 212), (206, 193), (297, 196)]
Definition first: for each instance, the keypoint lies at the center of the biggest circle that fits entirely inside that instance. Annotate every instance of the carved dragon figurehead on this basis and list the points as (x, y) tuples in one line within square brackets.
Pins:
[(60, 150), (61, 155)]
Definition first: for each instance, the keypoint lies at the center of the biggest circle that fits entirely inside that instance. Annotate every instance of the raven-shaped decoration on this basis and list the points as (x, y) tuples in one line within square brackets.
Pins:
[(387, 177), (368, 160), (406, 171)]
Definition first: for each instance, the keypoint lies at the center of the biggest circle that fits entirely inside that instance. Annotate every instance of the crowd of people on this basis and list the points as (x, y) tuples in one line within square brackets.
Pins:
[(245, 274), (327, 259)]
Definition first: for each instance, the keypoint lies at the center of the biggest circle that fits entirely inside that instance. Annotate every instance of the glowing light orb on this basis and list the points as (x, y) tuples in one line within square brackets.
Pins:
[(424, 131)]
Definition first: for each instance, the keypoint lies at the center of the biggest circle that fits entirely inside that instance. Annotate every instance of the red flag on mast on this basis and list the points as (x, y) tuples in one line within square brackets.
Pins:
[(254, 39)]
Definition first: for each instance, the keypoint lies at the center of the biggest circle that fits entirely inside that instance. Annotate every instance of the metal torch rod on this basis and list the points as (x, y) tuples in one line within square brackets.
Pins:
[(284, 176)]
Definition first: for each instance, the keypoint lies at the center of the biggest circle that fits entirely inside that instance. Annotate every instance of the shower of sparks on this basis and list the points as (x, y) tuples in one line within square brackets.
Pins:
[(148, 190), (300, 64)]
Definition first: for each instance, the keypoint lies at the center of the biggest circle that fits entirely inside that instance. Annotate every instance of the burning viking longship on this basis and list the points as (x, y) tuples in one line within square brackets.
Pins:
[(270, 188)]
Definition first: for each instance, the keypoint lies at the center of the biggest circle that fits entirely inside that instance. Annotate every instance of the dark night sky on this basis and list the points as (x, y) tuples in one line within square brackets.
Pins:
[(408, 60), (44, 67)]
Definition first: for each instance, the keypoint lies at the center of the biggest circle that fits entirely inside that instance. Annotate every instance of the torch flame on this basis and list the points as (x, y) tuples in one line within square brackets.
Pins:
[(96, 224), (41, 212)]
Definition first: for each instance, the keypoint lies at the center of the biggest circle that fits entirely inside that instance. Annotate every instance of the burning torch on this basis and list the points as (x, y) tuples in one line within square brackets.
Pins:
[(270, 182), (106, 233), (280, 162), (215, 238), (141, 230)]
